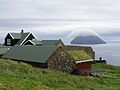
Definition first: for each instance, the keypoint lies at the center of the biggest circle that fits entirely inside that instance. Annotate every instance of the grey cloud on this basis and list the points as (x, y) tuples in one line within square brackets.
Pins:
[(59, 16), (57, 9), (28, 14)]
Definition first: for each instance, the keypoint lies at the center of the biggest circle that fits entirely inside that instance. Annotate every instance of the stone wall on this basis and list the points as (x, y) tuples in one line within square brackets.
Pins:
[(60, 43), (87, 49), (61, 61)]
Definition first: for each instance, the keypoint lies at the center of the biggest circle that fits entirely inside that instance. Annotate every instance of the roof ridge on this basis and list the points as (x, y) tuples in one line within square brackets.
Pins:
[(51, 40), (25, 38), (19, 33), (33, 46)]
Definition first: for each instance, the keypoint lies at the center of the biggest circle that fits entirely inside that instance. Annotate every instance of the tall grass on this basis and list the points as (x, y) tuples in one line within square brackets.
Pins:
[(21, 76)]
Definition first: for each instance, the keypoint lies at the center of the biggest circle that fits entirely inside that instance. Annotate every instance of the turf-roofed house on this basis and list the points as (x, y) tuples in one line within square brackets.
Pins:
[(84, 57)]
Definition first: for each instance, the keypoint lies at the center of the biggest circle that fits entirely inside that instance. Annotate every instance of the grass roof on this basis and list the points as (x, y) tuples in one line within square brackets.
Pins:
[(4, 49), (79, 55)]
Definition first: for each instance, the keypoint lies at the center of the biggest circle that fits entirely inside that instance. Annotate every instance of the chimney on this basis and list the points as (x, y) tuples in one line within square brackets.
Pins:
[(21, 34), (22, 31)]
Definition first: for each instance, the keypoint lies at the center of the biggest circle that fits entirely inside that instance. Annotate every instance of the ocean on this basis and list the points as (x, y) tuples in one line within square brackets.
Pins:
[(110, 51)]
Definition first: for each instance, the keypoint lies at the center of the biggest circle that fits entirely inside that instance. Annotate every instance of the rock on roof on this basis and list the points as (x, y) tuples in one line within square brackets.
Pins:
[(4, 49), (39, 54)]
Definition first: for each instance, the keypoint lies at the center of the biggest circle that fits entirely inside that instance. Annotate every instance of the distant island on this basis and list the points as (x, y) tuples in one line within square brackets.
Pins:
[(85, 36), (93, 39)]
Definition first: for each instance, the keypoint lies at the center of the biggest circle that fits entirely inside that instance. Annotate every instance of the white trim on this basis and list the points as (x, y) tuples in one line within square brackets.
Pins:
[(29, 41), (25, 38), (90, 60), (32, 42), (9, 41), (11, 35), (25, 42), (34, 35)]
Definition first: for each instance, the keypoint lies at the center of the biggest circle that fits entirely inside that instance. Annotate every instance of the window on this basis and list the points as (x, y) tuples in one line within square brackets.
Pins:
[(8, 41)]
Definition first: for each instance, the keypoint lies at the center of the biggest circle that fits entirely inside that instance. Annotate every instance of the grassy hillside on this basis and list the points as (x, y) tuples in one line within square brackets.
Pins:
[(21, 76), (79, 55)]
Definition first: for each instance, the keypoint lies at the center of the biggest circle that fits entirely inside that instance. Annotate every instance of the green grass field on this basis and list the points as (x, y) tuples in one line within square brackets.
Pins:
[(79, 55), (21, 76)]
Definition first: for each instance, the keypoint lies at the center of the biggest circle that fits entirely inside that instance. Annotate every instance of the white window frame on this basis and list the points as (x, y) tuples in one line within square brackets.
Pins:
[(8, 41)]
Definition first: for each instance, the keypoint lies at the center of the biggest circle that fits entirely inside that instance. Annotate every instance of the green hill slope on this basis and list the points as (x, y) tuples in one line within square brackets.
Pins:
[(20, 76)]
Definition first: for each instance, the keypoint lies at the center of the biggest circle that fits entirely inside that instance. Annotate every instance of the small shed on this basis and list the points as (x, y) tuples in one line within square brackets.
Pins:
[(83, 67), (51, 57)]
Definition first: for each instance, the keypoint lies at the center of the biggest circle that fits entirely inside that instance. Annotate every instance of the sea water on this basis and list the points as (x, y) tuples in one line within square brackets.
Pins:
[(110, 51)]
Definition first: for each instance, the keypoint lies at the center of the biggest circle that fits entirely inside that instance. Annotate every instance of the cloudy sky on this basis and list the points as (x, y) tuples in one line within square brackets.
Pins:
[(59, 17)]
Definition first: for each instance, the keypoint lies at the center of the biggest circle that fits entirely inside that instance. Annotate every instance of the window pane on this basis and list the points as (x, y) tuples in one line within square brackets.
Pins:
[(8, 41)]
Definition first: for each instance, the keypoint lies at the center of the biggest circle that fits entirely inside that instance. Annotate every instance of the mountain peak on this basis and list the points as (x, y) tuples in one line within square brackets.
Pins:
[(87, 40), (85, 37)]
